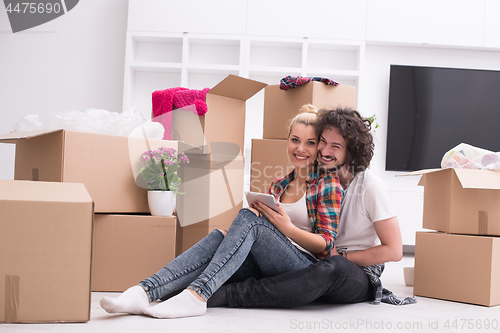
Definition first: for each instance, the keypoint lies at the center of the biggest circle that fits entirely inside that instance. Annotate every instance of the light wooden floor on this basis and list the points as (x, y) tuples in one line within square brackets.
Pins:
[(428, 315)]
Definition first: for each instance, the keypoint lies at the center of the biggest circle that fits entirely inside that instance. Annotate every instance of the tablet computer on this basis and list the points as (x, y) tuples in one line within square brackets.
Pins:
[(266, 199)]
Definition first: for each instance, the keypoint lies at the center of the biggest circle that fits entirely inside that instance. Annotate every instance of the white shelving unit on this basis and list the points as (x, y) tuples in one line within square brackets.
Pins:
[(156, 61), (159, 60)]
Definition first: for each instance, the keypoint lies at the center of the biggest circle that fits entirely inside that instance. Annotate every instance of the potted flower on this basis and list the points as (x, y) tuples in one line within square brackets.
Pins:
[(160, 173)]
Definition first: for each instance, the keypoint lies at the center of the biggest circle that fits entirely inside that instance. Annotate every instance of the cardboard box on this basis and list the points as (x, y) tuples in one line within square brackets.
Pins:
[(461, 268), (108, 165), (213, 186), (225, 118), (461, 201), (281, 106), (269, 161), (45, 252), (130, 248)]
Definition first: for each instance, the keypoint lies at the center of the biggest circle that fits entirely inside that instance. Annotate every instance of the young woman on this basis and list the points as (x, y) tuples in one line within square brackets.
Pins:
[(302, 232)]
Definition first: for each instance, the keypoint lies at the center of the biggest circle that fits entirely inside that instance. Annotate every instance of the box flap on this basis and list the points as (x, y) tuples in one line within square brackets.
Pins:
[(12, 137), (237, 87), (480, 179), (469, 178), (419, 173), (20, 190)]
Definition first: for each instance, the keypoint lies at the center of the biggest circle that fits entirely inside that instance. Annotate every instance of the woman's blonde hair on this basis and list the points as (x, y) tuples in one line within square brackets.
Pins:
[(308, 115)]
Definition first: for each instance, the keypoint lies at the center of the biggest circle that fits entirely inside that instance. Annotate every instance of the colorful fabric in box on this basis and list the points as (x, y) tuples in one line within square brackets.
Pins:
[(166, 100), (290, 82), (465, 156)]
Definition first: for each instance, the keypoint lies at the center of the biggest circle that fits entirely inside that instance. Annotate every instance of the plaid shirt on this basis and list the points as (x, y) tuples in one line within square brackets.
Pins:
[(290, 82), (323, 198)]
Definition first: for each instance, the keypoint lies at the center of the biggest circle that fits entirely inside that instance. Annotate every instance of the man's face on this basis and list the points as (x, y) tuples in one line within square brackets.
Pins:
[(332, 149)]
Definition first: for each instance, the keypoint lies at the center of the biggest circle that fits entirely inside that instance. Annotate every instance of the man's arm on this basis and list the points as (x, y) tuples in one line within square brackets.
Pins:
[(391, 248)]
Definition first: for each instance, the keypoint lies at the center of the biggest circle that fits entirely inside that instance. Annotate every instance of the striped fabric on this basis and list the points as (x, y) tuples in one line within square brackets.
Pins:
[(382, 294), (290, 82)]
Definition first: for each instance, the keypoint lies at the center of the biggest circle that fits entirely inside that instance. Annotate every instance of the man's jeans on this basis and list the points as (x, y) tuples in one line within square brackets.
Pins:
[(253, 247), (334, 280)]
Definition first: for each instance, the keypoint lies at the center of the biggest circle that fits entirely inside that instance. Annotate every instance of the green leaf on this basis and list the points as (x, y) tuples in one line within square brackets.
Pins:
[(173, 178), (173, 168)]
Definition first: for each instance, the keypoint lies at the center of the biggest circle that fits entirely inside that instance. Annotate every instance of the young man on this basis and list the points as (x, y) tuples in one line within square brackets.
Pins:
[(368, 234)]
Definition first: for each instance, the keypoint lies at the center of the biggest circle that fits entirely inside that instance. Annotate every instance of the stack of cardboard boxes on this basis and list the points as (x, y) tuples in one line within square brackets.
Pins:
[(213, 180), (61, 248), (269, 155), (460, 260), (75, 220)]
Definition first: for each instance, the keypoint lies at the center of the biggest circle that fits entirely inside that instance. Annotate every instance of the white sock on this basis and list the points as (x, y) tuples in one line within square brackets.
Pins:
[(182, 305), (132, 301)]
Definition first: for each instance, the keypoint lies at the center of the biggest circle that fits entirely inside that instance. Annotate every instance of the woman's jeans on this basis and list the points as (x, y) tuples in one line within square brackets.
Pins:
[(253, 247), (334, 280)]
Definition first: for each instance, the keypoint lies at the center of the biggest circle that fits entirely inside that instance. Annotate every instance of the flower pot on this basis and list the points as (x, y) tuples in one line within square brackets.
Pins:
[(161, 203)]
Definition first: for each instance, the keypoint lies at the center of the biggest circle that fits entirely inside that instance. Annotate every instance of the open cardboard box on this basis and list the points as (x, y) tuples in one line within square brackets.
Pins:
[(463, 268), (280, 106), (225, 118), (461, 201), (45, 252), (108, 165), (130, 248), (269, 161)]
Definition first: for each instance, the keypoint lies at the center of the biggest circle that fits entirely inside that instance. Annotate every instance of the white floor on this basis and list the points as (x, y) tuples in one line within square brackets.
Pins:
[(428, 315)]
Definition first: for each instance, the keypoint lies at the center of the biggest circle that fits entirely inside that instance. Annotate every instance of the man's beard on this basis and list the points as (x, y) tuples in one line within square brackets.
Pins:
[(326, 168), (331, 169)]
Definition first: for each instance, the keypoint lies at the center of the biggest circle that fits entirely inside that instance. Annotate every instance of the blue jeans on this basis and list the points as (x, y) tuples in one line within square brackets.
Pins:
[(253, 247)]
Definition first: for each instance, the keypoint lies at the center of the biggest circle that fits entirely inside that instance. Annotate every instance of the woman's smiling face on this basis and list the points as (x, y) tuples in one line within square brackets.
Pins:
[(302, 145)]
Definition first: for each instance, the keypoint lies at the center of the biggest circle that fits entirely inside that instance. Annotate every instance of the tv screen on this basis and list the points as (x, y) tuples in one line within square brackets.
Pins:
[(432, 110)]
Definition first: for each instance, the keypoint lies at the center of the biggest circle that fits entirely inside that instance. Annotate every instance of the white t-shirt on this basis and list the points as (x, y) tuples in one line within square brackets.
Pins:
[(366, 201), (297, 212)]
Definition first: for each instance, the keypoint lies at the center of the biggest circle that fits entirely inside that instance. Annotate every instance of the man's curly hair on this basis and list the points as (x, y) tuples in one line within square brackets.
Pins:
[(355, 129)]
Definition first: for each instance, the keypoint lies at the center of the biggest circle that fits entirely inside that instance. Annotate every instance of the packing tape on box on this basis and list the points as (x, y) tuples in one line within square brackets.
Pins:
[(35, 174), (12, 298), (482, 223)]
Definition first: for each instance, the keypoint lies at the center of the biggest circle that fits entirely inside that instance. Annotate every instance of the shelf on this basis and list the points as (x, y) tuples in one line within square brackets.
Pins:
[(332, 59), (229, 69), (156, 49), (215, 52), (294, 71), (155, 66), (275, 54), (331, 74)]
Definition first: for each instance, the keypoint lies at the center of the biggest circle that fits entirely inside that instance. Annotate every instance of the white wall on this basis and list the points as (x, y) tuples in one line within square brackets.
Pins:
[(407, 196), (73, 62)]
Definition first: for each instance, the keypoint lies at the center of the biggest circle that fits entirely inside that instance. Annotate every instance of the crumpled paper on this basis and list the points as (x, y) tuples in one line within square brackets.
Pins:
[(465, 156), (128, 123)]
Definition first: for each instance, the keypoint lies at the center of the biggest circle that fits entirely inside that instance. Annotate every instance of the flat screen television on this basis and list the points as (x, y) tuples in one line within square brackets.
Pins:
[(432, 110)]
